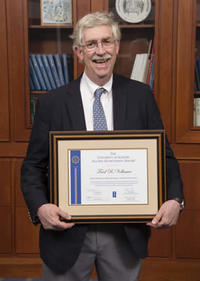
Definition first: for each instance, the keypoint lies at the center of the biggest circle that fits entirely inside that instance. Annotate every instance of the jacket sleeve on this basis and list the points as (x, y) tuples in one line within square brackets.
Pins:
[(34, 179), (173, 177)]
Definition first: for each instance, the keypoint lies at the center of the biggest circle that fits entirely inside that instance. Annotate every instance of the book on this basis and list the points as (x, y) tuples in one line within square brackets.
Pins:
[(194, 112), (145, 66), (197, 75), (65, 68), (48, 71), (32, 88), (151, 49), (36, 84), (59, 68), (140, 67), (136, 65), (149, 69), (151, 80), (38, 72), (198, 64), (197, 110), (53, 70), (43, 72)]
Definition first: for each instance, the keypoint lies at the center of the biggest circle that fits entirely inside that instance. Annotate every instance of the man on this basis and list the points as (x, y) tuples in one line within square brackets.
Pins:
[(69, 250)]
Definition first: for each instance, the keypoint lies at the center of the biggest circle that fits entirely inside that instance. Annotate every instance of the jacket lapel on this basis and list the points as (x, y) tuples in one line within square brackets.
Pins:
[(75, 107), (119, 103)]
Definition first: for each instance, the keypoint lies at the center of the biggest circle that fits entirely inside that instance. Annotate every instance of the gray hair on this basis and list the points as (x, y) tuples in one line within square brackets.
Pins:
[(93, 20)]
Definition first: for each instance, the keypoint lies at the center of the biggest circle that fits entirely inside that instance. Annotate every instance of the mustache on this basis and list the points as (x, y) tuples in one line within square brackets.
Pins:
[(101, 58)]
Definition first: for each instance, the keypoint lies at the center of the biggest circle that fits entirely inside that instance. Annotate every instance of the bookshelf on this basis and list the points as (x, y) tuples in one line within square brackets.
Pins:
[(189, 40), (136, 38), (49, 54)]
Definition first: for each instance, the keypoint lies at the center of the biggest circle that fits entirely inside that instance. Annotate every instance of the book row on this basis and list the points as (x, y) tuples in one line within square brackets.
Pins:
[(50, 71)]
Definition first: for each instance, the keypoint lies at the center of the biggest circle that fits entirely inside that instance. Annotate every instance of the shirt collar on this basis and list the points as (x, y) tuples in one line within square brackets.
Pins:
[(92, 86)]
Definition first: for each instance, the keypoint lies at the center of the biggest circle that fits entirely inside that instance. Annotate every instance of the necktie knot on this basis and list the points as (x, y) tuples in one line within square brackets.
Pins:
[(99, 92)]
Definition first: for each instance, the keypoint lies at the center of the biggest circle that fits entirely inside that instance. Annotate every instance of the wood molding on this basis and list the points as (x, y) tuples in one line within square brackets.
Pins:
[(6, 230), (186, 152), (13, 150), (4, 97), (16, 45), (99, 5), (153, 269), (20, 267), (160, 270), (164, 61)]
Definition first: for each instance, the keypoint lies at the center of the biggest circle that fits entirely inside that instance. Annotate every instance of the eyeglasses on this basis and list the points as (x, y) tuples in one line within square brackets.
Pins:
[(106, 43)]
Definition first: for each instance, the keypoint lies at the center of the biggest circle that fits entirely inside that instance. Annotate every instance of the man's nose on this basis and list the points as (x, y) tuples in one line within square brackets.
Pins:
[(100, 48)]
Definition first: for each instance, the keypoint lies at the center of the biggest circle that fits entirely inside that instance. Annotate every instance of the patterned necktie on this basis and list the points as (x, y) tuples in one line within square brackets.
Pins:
[(99, 118)]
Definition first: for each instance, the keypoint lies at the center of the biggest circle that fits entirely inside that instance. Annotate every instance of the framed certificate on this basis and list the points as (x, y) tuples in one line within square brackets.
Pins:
[(116, 176), (56, 12)]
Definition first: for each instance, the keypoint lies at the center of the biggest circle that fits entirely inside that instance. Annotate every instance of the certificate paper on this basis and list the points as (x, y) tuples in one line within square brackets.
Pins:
[(108, 176), (116, 177)]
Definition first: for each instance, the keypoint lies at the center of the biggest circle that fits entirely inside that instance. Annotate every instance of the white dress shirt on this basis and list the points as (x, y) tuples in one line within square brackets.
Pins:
[(88, 88)]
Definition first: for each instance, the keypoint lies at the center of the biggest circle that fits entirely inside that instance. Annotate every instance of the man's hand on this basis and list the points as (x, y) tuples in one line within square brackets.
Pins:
[(167, 215), (50, 214)]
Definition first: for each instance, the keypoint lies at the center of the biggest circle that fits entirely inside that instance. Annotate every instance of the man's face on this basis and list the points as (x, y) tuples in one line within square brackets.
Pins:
[(99, 60)]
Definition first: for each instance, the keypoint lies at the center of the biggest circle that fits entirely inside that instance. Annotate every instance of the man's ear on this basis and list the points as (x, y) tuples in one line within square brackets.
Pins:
[(117, 46), (79, 52)]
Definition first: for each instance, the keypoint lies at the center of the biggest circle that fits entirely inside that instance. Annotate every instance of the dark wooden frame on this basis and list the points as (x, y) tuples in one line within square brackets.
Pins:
[(156, 186)]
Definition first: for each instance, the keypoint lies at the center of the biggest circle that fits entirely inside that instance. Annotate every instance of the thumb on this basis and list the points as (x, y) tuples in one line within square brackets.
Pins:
[(157, 218), (64, 214)]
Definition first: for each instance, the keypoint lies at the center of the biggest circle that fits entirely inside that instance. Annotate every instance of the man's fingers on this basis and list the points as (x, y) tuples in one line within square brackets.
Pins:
[(63, 225), (63, 215), (52, 217), (167, 215)]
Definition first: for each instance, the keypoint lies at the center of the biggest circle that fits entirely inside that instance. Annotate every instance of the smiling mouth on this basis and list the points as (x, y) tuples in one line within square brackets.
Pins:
[(101, 60)]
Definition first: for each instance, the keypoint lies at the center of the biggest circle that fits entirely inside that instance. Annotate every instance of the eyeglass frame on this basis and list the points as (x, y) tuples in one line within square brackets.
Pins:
[(97, 42)]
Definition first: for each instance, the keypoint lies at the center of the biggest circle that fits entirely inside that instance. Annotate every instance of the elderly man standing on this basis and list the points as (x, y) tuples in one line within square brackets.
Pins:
[(69, 251)]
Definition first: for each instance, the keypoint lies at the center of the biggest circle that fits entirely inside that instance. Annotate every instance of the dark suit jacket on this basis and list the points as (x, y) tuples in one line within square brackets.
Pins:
[(134, 109)]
